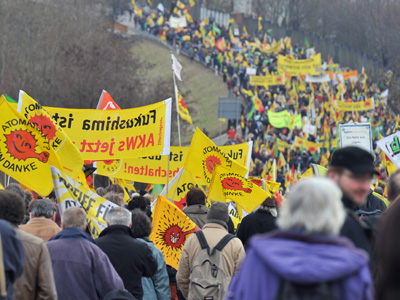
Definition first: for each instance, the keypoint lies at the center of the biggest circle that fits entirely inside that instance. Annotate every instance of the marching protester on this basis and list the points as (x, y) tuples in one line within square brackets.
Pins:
[(81, 269), (42, 216), (393, 187), (131, 259), (305, 256), (155, 287), (196, 208), (36, 281)]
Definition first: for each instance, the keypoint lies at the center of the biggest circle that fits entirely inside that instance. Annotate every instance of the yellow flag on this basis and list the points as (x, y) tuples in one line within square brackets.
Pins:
[(25, 153), (160, 20), (71, 193), (171, 229), (227, 185), (192, 3), (204, 155), (182, 108), (70, 156), (180, 5)]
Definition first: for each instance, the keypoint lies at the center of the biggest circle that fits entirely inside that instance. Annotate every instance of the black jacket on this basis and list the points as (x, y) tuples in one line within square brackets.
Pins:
[(259, 222), (131, 259)]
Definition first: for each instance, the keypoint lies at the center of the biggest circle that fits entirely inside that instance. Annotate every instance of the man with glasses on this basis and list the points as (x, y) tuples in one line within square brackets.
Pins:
[(352, 169)]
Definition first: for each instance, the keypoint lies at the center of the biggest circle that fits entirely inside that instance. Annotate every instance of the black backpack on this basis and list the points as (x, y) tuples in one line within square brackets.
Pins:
[(314, 291)]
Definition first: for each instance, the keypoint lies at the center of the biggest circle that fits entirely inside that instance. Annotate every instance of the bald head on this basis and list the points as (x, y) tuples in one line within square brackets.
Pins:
[(74, 217)]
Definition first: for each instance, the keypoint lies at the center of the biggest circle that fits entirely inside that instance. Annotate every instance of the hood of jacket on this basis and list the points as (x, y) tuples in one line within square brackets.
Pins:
[(196, 209), (305, 258)]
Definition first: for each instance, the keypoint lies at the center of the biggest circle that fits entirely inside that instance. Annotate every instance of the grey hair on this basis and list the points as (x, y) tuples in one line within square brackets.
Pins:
[(43, 208), (119, 216), (116, 198), (314, 205), (74, 217)]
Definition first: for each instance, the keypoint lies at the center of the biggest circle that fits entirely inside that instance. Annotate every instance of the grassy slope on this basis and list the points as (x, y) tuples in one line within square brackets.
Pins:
[(200, 87)]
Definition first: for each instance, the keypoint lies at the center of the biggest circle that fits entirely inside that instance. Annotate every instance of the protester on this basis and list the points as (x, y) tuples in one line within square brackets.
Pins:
[(81, 269), (36, 281), (305, 252), (116, 198), (352, 169), (131, 259), (214, 230), (261, 221), (196, 208), (41, 224), (12, 262), (141, 203), (156, 287), (393, 187)]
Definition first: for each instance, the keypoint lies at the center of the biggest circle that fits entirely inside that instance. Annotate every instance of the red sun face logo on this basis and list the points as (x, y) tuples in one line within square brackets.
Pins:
[(233, 183), (21, 145), (181, 203), (210, 163), (174, 236), (182, 103), (45, 125)]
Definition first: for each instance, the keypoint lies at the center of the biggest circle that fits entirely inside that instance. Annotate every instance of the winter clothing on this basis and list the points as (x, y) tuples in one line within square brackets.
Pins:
[(81, 270), (37, 281), (218, 214), (156, 287), (197, 213), (130, 258), (233, 254), (260, 222), (13, 257), (41, 227), (301, 258)]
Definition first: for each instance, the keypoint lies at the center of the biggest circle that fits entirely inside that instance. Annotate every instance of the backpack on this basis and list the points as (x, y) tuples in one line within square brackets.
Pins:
[(208, 276), (314, 291)]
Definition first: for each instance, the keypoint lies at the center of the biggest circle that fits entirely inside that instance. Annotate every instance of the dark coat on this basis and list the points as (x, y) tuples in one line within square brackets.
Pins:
[(131, 259), (260, 222)]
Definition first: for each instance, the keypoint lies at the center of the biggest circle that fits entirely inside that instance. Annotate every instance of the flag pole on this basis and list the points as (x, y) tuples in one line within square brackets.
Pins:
[(176, 101)]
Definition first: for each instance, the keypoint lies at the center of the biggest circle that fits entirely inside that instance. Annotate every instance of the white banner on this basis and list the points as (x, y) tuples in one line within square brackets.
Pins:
[(359, 135), (391, 146), (175, 22), (318, 79), (176, 66)]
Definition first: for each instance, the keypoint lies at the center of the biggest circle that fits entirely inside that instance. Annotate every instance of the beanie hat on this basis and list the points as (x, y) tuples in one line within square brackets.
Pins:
[(218, 214)]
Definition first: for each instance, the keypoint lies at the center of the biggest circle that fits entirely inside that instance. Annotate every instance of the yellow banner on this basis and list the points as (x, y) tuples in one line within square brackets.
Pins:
[(25, 153), (349, 74), (299, 67), (204, 155), (298, 142), (112, 134), (70, 156), (268, 80), (71, 193), (153, 169), (282, 146), (274, 48), (227, 185), (355, 106), (171, 229), (280, 119)]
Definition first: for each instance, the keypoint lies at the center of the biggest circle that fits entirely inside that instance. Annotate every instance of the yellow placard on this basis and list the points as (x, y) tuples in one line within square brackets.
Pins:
[(355, 106), (268, 80), (280, 119), (298, 67), (117, 134)]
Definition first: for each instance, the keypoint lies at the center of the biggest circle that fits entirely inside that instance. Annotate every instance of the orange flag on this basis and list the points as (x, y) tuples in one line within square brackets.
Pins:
[(106, 102)]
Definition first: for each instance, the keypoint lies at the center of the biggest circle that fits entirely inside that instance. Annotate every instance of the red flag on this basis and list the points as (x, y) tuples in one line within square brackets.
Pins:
[(106, 102)]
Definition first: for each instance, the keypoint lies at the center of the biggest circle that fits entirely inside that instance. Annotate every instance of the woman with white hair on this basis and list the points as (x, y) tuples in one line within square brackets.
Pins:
[(305, 258)]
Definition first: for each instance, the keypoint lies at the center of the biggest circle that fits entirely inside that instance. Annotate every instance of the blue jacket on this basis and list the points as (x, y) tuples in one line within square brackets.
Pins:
[(81, 270), (156, 287), (301, 258)]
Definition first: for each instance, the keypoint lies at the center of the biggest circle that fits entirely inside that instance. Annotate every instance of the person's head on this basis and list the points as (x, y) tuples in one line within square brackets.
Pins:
[(269, 205), (141, 224), (393, 186), (28, 196), (74, 217), (352, 169), (12, 207), (378, 190), (218, 214), (139, 202), (16, 188), (119, 216), (116, 188), (387, 254), (195, 196), (116, 198), (101, 191), (44, 208), (313, 206)]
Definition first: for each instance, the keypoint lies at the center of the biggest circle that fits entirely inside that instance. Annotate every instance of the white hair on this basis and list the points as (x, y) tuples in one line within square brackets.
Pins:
[(314, 205), (119, 216)]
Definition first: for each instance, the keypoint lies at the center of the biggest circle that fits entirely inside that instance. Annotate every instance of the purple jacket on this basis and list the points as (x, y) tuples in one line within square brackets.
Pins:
[(81, 269), (301, 258)]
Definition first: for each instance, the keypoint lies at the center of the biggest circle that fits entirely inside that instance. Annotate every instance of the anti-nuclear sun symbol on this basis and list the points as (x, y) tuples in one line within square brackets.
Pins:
[(210, 163), (45, 125), (21, 145), (233, 183)]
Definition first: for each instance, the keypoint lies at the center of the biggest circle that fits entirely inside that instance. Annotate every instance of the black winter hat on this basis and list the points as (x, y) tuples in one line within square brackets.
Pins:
[(355, 159), (218, 213)]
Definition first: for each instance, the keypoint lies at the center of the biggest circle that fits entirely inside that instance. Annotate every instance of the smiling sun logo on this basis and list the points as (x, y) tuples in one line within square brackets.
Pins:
[(234, 183), (21, 145), (45, 125), (211, 161)]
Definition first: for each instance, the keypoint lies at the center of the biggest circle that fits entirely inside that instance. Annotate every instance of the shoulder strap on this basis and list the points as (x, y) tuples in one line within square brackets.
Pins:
[(225, 240), (202, 239)]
